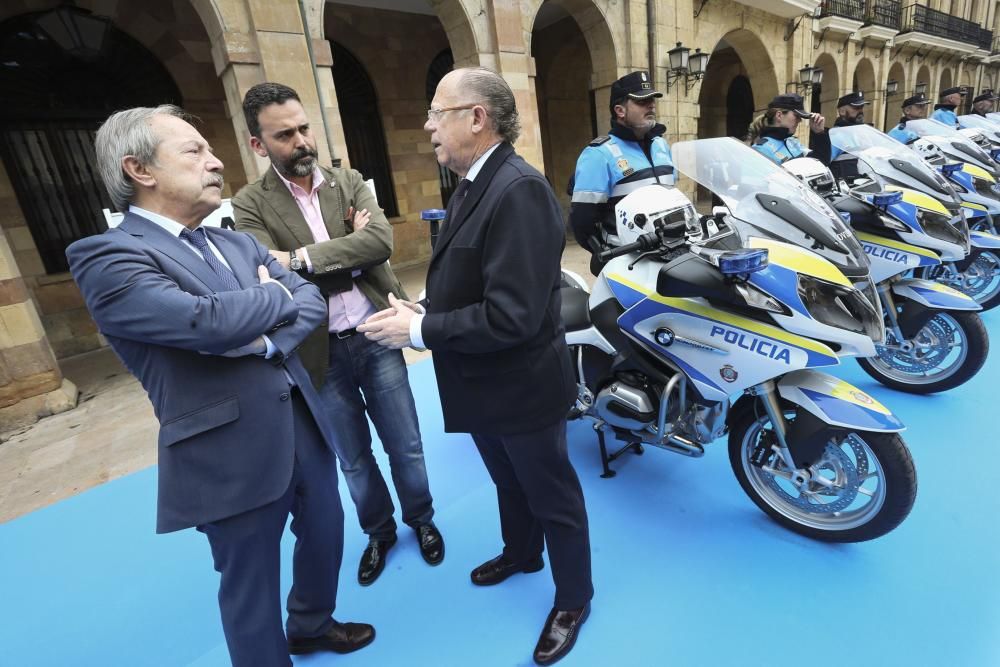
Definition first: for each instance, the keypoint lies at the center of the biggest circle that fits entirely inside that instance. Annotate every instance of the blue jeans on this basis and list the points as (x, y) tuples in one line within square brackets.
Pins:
[(366, 376)]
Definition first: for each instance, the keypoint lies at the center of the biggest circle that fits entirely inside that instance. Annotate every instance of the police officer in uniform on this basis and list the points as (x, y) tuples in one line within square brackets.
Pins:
[(983, 103), (773, 136), (632, 154), (914, 108), (945, 111), (851, 110)]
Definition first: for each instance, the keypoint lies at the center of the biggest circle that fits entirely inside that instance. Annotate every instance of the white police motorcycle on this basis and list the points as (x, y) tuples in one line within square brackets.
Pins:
[(935, 339), (687, 315)]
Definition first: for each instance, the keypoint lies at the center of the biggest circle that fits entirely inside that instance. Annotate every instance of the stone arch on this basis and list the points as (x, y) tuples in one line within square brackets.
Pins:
[(458, 26), (864, 76), (825, 99), (575, 63), (717, 103), (923, 76), (944, 81), (598, 34), (897, 73), (756, 59)]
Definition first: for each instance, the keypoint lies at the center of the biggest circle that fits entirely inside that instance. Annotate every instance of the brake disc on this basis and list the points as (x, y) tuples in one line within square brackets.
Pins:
[(847, 479), (933, 342)]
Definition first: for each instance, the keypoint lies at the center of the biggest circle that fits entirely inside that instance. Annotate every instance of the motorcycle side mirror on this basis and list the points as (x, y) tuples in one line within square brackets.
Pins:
[(949, 169)]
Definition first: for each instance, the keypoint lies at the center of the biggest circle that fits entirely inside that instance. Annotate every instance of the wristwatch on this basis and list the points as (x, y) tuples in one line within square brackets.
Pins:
[(294, 263)]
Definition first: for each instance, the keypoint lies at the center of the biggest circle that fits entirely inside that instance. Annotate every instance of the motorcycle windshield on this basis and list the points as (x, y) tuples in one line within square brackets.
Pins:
[(931, 128), (761, 194), (884, 156), (985, 125)]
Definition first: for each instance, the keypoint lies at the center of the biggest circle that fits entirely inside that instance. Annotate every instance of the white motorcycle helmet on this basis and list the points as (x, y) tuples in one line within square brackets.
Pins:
[(643, 209), (929, 150), (816, 175)]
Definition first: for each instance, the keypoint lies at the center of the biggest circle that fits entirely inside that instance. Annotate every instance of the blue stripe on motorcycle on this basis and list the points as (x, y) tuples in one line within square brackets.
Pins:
[(843, 412), (941, 299)]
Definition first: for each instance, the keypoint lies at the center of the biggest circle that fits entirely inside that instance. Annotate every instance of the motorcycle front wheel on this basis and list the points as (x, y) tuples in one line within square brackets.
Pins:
[(981, 281), (947, 352), (862, 487)]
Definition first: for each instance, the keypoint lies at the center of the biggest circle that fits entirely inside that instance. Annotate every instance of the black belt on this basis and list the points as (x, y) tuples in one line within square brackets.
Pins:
[(346, 333)]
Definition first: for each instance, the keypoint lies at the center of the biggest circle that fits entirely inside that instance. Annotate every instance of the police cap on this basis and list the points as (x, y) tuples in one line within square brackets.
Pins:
[(856, 99), (636, 85), (916, 99), (790, 102), (951, 91)]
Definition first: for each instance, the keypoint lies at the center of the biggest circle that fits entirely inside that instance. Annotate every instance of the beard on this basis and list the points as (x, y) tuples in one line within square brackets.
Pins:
[(300, 163)]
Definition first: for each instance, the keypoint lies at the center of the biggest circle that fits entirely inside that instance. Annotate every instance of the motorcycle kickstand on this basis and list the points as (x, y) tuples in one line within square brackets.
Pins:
[(607, 472)]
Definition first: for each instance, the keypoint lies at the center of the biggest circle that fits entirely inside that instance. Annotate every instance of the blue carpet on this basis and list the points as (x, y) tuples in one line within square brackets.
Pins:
[(688, 571)]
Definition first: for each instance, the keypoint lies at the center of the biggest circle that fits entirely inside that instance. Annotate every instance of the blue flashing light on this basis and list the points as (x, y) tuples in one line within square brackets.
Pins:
[(995, 153), (845, 216), (886, 199), (739, 262), (433, 214), (948, 169)]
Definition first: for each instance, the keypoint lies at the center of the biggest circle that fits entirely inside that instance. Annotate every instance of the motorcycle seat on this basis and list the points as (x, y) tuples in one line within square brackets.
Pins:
[(575, 309)]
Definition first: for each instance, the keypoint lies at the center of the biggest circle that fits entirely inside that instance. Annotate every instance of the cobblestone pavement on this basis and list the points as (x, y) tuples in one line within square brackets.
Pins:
[(112, 431)]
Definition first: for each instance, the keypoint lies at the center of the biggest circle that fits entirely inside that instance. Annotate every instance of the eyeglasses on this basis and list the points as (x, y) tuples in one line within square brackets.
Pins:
[(435, 114)]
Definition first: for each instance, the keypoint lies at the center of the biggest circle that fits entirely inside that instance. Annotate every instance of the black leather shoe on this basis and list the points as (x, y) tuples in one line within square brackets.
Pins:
[(341, 638), (373, 560), (431, 543), (494, 571), (559, 634)]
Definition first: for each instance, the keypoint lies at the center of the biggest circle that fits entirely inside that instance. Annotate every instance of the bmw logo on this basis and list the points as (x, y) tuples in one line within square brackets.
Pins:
[(664, 336)]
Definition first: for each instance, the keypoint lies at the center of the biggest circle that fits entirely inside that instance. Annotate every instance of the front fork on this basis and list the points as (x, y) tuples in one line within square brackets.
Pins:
[(889, 307), (767, 392)]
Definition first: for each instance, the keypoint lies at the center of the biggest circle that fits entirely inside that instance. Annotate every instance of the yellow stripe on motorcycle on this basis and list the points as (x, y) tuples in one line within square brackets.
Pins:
[(919, 199), (943, 289), (847, 392), (974, 207), (897, 245), (977, 172), (800, 260), (695, 308)]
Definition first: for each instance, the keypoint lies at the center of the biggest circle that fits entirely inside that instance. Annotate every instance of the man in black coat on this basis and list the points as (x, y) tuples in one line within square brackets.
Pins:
[(492, 320)]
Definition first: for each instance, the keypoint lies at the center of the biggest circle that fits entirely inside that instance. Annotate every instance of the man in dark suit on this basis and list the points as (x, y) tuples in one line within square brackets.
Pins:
[(492, 320), (209, 324), (326, 225)]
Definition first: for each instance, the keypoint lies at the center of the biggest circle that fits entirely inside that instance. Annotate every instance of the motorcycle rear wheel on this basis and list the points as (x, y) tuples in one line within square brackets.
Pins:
[(869, 482)]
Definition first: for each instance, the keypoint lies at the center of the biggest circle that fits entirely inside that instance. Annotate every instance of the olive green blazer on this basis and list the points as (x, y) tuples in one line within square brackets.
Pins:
[(267, 210)]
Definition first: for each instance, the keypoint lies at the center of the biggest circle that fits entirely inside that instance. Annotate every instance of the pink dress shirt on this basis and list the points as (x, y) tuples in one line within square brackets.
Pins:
[(347, 309)]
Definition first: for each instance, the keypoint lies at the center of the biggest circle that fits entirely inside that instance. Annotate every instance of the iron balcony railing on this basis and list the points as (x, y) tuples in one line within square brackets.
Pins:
[(886, 13), (850, 9), (917, 18)]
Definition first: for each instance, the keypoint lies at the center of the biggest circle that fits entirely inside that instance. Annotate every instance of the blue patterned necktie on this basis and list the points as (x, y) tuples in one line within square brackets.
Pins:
[(199, 240)]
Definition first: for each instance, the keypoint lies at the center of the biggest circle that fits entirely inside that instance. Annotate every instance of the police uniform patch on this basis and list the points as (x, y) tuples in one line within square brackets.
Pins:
[(628, 172), (623, 164)]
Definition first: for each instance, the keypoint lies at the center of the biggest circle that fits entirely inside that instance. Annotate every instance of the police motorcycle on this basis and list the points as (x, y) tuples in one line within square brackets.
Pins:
[(975, 180), (935, 339), (990, 129), (970, 261), (688, 314)]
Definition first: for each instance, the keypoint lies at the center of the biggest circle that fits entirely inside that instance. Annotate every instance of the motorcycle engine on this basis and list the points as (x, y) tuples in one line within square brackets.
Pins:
[(626, 406)]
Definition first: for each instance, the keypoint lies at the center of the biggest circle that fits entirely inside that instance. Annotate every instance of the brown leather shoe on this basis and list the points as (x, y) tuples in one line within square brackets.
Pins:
[(559, 634), (499, 569), (341, 638)]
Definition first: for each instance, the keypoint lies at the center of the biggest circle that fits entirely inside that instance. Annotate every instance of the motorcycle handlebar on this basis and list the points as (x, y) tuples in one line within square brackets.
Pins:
[(645, 242)]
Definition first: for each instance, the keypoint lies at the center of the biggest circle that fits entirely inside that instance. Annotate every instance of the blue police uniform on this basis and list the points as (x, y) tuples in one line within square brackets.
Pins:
[(611, 167), (902, 134), (945, 113), (779, 150)]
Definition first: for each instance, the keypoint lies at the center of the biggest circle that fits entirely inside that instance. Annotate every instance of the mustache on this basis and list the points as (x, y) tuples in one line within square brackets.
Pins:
[(304, 153), (215, 180)]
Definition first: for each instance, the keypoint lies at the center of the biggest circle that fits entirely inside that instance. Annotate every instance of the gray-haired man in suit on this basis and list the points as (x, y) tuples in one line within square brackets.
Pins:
[(209, 324)]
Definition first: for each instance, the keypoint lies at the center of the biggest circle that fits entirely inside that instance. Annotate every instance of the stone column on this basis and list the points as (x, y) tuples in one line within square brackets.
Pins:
[(31, 385), (272, 46)]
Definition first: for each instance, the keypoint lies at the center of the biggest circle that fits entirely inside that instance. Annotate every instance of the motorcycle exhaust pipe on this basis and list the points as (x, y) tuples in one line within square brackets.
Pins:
[(680, 445)]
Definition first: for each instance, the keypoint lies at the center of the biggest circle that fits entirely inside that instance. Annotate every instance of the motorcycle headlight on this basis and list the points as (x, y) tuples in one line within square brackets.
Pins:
[(840, 307), (985, 188), (940, 226), (891, 223)]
